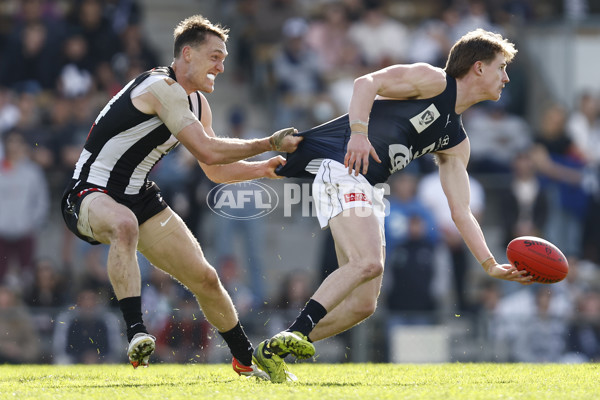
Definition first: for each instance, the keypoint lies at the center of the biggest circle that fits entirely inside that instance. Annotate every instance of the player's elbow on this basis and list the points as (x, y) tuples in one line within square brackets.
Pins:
[(214, 178), (461, 216), (209, 158), (362, 81)]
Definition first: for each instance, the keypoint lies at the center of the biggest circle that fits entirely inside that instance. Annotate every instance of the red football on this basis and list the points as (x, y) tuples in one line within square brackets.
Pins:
[(543, 260)]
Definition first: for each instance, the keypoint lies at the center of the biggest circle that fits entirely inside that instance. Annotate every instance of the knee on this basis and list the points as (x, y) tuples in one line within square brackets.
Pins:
[(126, 230), (203, 278), (370, 269)]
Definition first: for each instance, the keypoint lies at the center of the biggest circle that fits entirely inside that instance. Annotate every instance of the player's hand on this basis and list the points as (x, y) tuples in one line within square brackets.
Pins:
[(508, 272), (285, 140), (271, 165), (357, 154)]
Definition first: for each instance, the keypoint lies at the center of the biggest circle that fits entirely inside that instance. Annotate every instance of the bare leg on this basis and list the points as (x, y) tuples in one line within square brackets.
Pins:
[(350, 293), (180, 255), (114, 224), (355, 308)]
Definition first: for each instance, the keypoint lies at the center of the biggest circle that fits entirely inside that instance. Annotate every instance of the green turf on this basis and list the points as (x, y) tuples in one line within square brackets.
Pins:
[(316, 381)]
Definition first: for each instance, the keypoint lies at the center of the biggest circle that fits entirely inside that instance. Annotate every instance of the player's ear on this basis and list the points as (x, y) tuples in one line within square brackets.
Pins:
[(478, 67), (186, 53)]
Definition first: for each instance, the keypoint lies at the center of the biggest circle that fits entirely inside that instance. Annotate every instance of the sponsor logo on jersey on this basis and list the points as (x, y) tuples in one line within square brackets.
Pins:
[(400, 156), (350, 197), (425, 118)]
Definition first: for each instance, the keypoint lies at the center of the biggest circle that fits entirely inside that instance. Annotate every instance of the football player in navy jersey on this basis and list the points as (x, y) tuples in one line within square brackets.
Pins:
[(110, 199), (395, 115)]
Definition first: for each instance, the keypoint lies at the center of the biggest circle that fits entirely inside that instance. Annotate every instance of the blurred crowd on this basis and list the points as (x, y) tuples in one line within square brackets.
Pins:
[(295, 60)]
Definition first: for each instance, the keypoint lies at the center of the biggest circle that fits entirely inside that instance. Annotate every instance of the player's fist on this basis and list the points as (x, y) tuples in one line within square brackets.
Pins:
[(284, 140), (271, 165)]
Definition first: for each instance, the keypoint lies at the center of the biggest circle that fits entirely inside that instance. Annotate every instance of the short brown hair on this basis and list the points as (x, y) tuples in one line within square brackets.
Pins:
[(477, 45), (193, 30)]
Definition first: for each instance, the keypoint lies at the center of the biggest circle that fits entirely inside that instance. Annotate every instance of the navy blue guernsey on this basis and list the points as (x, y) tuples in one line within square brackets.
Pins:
[(399, 130)]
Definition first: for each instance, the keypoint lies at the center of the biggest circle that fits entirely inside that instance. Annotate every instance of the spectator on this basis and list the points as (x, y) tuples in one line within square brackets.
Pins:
[(542, 336), (29, 58), (339, 58), (404, 204), (524, 203), (488, 298), (48, 289), (583, 343), (9, 114), (474, 15), (135, 50), (297, 78), (328, 37), (242, 294), (30, 110), (412, 265), (560, 165), (583, 128), (381, 40), (122, 13), (58, 135), (88, 333), (45, 297), (92, 272), (19, 341), (496, 136), (23, 207), (257, 26), (88, 18), (534, 317), (76, 71), (185, 337), (430, 41)]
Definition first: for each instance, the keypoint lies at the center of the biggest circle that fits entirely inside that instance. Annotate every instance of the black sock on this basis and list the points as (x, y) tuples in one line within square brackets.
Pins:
[(131, 307), (239, 344), (312, 313)]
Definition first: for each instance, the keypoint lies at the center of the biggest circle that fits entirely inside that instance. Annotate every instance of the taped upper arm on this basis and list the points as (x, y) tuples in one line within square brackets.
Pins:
[(174, 108)]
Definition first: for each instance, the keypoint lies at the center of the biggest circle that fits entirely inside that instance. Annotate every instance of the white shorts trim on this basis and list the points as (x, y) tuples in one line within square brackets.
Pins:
[(83, 222), (334, 190)]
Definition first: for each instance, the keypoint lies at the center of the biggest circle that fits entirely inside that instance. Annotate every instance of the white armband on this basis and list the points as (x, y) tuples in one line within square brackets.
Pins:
[(176, 113)]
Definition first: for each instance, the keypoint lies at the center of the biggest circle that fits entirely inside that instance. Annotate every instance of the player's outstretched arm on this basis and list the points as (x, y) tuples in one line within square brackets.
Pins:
[(455, 183), (167, 99), (212, 150), (243, 170)]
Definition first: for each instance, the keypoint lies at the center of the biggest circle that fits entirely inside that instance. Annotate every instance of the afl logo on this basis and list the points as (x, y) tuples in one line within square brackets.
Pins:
[(242, 200)]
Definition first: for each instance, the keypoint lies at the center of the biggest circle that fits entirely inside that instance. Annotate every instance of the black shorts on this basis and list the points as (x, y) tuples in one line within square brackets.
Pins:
[(144, 205)]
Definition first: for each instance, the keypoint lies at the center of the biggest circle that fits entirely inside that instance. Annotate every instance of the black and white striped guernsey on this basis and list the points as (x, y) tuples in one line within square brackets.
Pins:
[(124, 144)]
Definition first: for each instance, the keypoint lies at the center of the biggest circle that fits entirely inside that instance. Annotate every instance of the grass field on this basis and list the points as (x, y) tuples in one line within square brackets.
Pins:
[(316, 381)]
